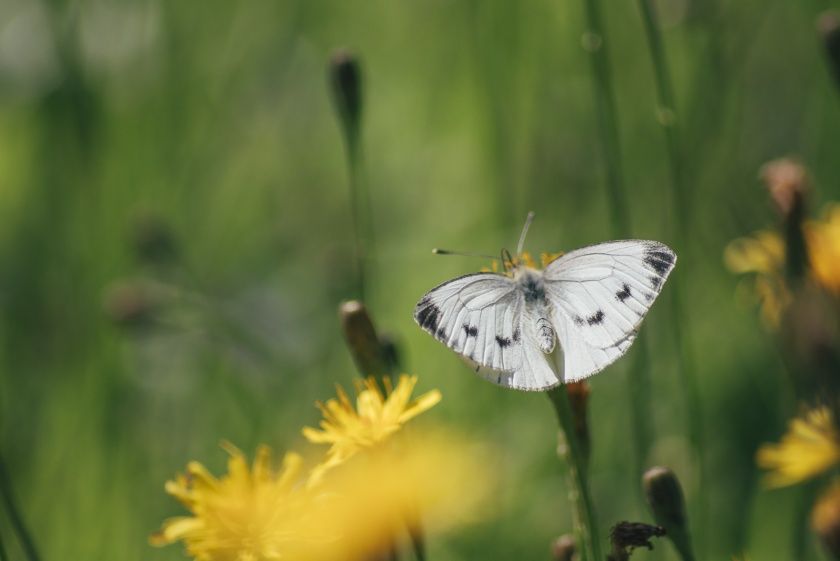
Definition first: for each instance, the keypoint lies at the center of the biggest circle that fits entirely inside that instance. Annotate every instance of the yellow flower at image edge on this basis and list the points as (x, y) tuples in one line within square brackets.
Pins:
[(810, 447), (251, 514), (375, 418), (353, 514)]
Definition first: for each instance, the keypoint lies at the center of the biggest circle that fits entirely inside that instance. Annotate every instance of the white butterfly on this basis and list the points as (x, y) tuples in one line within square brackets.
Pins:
[(591, 300)]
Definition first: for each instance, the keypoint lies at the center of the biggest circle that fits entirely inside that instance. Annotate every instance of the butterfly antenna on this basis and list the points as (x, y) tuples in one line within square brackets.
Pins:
[(438, 251), (507, 260), (521, 244)]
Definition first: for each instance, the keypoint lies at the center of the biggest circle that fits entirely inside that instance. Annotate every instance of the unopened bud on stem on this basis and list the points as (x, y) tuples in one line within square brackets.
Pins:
[(828, 26), (665, 498), (346, 83), (362, 340)]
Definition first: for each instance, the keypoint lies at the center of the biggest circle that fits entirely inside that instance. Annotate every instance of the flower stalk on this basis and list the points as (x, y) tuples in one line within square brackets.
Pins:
[(15, 518), (569, 449), (594, 41), (346, 84)]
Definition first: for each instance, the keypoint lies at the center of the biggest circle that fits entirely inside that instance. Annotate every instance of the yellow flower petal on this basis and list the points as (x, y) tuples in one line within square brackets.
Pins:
[(810, 447), (376, 417)]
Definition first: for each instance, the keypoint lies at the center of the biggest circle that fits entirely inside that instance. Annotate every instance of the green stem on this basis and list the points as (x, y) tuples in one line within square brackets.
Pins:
[(595, 44), (14, 514), (586, 526), (667, 117), (418, 543), (3, 555), (356, 211)]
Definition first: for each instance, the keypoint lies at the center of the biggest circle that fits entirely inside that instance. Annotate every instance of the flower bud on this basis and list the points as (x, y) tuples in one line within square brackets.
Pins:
[(153, 242), (828, 26), (564, 549), (346, 84), (665, 498), (825, 520), (787, 183), (361, 338)]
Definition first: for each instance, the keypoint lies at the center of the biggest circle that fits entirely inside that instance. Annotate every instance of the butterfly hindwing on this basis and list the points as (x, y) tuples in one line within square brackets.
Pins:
[(599, 295)]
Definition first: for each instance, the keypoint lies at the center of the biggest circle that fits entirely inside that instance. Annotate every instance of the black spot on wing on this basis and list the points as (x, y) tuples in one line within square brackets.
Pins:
[(624, 293), (516, 335), (655, 282), (659, 261), (470, 330), (579, 320), (596, 318), (503, 342), (441, 334), (428, 318)]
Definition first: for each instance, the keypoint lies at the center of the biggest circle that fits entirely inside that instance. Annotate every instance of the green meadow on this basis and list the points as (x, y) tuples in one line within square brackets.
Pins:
[(177, 234)]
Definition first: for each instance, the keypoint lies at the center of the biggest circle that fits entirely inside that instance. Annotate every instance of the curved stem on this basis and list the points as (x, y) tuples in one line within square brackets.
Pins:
[(586, 525)]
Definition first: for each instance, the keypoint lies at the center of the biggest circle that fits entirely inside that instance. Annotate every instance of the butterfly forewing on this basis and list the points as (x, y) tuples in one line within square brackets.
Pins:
[(599, 295)]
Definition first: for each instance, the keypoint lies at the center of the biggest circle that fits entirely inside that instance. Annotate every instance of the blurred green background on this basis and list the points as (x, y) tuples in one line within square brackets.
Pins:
[(175, 238)]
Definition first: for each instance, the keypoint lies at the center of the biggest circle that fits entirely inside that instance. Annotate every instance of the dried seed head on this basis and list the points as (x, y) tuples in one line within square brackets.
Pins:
[(564, 549), (825, 519), (346, 83), (626, 536)]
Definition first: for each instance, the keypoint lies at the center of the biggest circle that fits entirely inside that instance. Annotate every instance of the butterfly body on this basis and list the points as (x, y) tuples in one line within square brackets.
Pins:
[(587, 304), (537, 306)]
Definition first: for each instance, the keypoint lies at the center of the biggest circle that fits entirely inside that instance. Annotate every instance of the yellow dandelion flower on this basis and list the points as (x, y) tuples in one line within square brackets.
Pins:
[(810, 447), (434, 480), (763, 254), (375, 418), (251, 514), (823, 241), (524, 259)]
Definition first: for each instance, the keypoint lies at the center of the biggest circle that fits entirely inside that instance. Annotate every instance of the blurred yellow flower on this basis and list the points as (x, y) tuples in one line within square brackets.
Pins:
[(763, 254), (375, 418), (823, 239), (355, 513), (810, 447), (825, 518), (430, 480), (255, 514)]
